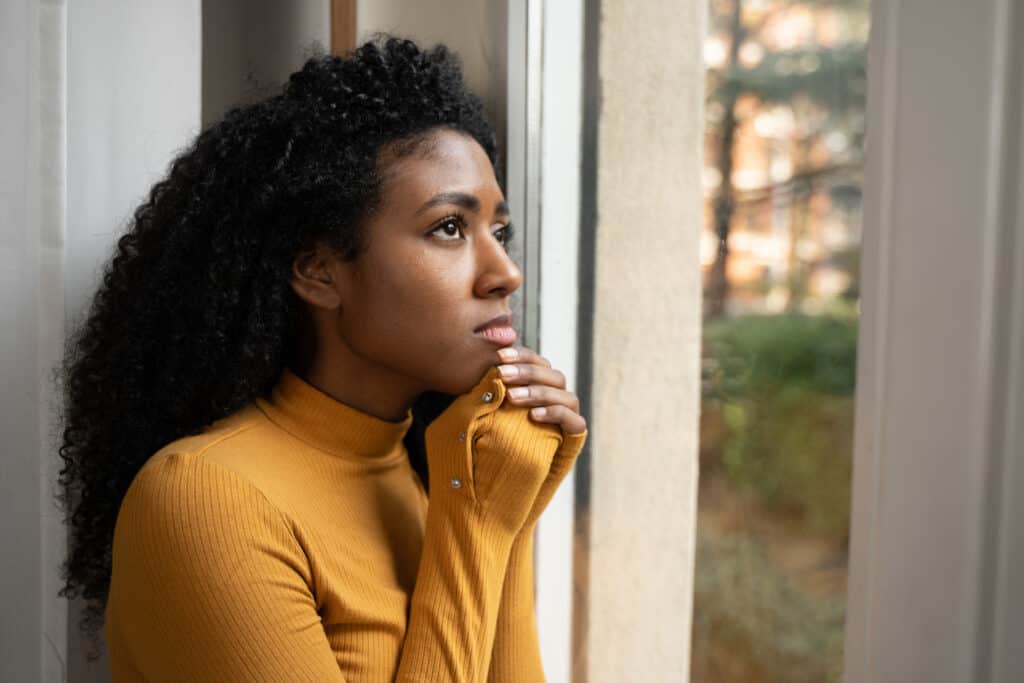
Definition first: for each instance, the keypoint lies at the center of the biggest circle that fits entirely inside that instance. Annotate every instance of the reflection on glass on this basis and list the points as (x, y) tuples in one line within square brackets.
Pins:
[(784, 144)]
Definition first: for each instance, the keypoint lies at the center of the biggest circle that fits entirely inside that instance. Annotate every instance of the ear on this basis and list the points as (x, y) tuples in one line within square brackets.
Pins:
[(314, 277)]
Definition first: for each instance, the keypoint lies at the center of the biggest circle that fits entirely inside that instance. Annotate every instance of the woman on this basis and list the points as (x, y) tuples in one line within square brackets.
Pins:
[(308, 315)]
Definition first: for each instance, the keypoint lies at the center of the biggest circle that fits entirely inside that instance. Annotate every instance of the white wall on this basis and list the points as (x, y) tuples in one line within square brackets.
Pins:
[(133, 77), (133, 99), (32, 633), (97, 97)]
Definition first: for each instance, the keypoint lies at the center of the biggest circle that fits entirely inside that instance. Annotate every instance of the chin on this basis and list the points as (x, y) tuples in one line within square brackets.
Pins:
[(460, 376)]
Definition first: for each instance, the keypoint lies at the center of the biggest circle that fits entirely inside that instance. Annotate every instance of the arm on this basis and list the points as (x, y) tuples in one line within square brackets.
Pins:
[(516, 654), (501, 464)]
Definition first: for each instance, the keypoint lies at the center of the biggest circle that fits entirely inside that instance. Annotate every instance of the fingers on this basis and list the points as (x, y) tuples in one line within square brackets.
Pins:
[(540, 395), (522, 354), (569, 420), (552, 405), (532, 381), (527, 373)]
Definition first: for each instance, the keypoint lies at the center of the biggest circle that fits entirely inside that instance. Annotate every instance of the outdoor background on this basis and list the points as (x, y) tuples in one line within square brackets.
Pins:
[(784, 147)]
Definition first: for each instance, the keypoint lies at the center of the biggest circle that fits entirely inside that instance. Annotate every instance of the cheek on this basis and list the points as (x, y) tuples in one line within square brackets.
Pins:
[(411, 306), (418, 320)]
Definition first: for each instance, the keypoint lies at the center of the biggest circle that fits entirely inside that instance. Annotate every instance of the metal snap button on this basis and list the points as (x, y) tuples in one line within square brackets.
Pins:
[(462, 436), (488, 397), (456, 483)]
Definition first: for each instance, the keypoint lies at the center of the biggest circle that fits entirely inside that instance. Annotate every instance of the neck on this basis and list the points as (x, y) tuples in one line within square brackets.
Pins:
[(358, 382)]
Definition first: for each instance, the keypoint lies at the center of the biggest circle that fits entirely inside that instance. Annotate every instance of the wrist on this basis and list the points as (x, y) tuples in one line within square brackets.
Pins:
[(496, 459)]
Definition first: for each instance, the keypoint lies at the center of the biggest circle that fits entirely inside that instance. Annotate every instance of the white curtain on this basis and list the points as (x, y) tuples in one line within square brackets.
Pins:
[(97, 96)]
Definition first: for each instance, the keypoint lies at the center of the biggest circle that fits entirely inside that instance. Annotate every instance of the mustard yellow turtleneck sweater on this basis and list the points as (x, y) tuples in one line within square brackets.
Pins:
[(292, 541)]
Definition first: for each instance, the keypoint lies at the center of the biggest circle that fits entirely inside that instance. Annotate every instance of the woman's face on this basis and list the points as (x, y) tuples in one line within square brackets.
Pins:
[(435, 268)]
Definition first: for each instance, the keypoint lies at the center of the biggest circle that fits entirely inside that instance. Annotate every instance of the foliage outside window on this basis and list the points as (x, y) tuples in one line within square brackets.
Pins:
[(784, 145)]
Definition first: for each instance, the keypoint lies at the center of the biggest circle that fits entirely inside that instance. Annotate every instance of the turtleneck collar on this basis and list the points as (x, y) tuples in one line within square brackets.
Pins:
[(330, 425)]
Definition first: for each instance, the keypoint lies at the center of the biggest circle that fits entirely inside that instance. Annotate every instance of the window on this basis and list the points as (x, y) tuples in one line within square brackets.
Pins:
[(784, 141)]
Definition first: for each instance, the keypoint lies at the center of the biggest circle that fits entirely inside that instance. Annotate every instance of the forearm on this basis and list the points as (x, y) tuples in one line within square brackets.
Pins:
[(454, 607), (498, 461), (516, 653)]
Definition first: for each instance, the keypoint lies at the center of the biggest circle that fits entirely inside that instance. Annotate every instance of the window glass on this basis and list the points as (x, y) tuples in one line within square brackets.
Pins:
[(784, 146)]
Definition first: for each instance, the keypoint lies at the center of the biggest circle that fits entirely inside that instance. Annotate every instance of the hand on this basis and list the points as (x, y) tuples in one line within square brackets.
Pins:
[(533, 382), (545, 387), (482, 450)]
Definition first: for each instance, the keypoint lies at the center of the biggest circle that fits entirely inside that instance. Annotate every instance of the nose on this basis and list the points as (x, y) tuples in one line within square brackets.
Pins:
[(498, 274)]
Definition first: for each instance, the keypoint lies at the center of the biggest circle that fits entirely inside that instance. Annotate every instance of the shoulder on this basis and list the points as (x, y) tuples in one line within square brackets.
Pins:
[(204, 569), (189, 521), (225, 439), (180, 494), (245, 443), (189, 496)]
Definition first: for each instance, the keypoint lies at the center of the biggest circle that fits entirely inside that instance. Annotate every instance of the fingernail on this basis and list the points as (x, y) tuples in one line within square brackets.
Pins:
[(508, 370), (539, 412), (508, 354), (519, 392)]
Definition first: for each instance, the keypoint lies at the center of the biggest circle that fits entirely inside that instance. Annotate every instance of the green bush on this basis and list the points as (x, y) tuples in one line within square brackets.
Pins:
[(751, 621), (783, 386), (759, 352)]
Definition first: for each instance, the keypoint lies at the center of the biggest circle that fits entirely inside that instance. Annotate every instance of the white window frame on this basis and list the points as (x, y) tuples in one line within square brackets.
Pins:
[(936, 592), (545, 47)]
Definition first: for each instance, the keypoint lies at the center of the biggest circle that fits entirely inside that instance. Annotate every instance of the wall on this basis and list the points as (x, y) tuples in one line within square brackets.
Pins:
[(251, 46), (475, 30), (646, 339), (102, 96), (133, 91), (32, 631)]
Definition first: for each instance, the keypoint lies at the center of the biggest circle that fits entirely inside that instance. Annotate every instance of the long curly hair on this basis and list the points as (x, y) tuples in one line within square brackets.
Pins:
[(194, 316)]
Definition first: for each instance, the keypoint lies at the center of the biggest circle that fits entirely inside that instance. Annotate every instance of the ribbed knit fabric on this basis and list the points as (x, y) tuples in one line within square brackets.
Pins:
[(292, 541)]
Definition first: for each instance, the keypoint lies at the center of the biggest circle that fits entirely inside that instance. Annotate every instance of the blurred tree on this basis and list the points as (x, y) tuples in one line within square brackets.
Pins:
[(833, 77)]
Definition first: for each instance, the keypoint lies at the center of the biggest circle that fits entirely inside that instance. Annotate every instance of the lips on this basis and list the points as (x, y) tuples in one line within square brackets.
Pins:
[(504, 320)]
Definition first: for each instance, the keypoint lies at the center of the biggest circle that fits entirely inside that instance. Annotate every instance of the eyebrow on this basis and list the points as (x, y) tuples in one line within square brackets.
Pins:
[(466, 201)]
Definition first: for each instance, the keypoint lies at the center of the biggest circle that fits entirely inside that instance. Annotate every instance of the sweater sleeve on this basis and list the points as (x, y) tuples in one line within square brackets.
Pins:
[(486, 469), (516, 654), (209, 582)]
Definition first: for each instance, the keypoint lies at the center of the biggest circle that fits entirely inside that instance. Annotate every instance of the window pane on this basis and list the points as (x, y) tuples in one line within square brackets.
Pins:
[(784, 144)]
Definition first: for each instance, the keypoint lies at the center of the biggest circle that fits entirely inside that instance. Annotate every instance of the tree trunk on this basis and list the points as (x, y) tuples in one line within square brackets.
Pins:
[(717, 288)]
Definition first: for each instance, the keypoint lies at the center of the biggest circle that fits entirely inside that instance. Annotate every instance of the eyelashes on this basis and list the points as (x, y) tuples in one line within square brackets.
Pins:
[(458, 222), (507, 233)]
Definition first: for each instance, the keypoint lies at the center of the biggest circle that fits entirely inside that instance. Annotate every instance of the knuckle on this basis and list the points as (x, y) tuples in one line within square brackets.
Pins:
[(548, 394), (530, 394)]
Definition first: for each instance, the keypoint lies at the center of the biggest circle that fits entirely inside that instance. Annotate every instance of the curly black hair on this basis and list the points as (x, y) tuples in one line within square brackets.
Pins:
[(194, 316)]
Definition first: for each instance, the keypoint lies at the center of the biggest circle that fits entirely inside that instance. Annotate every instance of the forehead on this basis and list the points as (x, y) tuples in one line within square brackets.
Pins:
[(447, 161)]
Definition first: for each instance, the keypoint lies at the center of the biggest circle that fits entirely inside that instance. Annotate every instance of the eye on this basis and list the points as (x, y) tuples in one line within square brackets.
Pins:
[(449, 228), (504, 234)]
